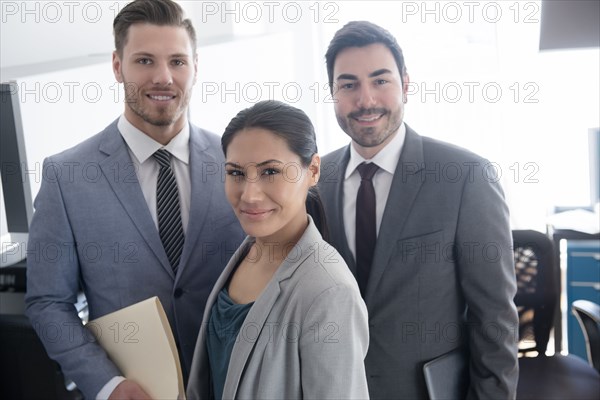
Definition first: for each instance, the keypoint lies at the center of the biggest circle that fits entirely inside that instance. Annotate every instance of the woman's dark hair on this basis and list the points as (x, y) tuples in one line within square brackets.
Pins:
[(155, 12), (361, 34), (292, 125)]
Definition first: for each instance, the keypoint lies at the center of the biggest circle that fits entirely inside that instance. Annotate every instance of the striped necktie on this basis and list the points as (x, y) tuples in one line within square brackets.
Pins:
[(170, 227)]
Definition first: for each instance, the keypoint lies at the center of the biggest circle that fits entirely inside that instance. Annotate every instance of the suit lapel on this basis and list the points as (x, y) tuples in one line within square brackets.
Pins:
[(119, 171), (333, 192), (243, 347), (203, 169), (406, 184)]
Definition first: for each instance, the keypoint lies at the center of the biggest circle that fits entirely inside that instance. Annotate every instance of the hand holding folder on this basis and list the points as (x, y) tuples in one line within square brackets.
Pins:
[(138, 339)]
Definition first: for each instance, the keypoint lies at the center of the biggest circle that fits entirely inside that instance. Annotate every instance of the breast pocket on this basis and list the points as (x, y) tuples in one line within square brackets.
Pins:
[(430, 258), (421, 249)]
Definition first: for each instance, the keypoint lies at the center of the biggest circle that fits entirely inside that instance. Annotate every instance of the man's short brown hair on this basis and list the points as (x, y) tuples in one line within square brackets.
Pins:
[(156, 12)]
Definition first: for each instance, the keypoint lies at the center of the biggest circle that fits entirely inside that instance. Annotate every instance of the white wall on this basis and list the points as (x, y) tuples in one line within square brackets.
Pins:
[(34, 32), (67, 94), (40, 31), (540, 125)]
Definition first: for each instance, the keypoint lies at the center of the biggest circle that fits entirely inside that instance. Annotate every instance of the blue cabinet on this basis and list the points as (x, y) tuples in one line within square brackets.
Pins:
[(583, 282)]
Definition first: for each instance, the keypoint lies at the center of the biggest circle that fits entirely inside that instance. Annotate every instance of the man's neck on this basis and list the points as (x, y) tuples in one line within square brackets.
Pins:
[(369, 152), (161, 134)]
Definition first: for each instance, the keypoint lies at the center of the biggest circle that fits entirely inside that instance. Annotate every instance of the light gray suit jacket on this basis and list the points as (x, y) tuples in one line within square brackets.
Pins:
[(92, 230), (442, 274), (305, 337)]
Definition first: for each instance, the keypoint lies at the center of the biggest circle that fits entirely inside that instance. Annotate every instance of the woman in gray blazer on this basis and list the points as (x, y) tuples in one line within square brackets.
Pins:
[(285, 319)]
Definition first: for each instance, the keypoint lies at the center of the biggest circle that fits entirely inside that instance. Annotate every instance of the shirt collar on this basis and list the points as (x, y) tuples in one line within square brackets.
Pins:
[(143, 146), (387, 158)]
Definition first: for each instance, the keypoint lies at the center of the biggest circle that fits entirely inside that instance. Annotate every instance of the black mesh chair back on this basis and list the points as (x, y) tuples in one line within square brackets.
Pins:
[(588, 315), (541, 376), (537, 292)]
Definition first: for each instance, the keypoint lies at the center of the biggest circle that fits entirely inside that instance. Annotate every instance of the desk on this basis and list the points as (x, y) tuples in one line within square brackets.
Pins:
[(557, 236), (12, 288)]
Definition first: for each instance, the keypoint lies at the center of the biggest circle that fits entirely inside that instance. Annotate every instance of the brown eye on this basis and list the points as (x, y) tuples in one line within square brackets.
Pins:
[(271, 171), (235, 172)]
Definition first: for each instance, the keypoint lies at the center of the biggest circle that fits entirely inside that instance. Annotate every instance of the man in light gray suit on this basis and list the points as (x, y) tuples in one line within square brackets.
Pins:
[(424, 227), (136, 211)]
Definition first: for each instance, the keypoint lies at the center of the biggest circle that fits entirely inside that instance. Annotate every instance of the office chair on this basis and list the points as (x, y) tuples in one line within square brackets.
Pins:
[(588, 315), (26, 371), (541, 376)]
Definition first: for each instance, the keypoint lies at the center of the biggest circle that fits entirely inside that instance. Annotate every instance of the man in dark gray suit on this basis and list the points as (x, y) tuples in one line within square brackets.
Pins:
[(136, 211), (424, 227)]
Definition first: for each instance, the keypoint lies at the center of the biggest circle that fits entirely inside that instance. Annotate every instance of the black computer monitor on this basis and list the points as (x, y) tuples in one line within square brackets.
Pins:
[(18, 204), (16, 189)]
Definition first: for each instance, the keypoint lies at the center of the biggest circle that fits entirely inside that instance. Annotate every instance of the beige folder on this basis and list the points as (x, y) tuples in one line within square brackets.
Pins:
[(138, 339)]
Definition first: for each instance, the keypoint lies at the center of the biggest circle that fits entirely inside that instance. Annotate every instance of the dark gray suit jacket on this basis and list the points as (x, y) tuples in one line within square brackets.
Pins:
[(442, 274), (92, 229)]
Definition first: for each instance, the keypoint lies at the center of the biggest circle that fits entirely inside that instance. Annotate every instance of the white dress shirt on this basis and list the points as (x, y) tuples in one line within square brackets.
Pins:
[(387, 160), (141, 147)]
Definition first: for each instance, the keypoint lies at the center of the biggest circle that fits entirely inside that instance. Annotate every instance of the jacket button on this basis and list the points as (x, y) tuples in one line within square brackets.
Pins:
[(178, 292)]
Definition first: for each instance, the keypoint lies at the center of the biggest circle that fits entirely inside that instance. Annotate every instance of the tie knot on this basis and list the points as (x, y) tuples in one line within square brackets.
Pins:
[(367, 171), (163, 157)]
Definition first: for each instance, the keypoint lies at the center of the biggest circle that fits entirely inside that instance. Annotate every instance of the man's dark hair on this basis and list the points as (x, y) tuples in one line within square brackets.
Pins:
[(155, 12), (361, 34)]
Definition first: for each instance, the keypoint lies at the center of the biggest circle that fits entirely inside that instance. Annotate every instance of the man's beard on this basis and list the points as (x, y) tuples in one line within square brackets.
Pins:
[(166, 115), (368, 136)]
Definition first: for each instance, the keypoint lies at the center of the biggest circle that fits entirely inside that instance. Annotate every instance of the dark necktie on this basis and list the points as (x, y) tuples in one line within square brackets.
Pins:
[(366, 224), (170, 227)]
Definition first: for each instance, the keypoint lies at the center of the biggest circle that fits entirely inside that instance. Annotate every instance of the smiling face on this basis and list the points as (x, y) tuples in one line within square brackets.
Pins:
[(267, 185), (158, 69), (369, 95)]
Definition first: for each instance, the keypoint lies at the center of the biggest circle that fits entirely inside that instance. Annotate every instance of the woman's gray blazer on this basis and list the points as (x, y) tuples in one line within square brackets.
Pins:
[(305, 337)]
